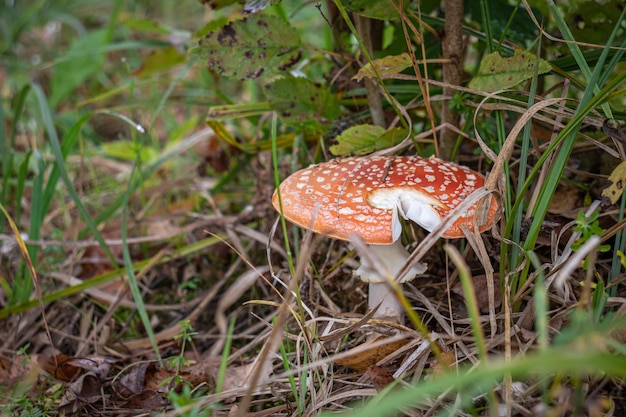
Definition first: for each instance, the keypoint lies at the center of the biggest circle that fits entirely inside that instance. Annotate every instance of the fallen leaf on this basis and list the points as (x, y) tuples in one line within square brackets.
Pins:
[(132, 382), (208, 369), (380, 377), (60, 367), (204, 371), (19, 375), (363, 359), (13, 370), (87, 389), (481, 291), (146, 400), (155, 376), (566, 199)]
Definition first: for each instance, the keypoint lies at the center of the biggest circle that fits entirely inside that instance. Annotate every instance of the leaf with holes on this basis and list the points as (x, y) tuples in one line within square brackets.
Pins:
[(499, 73), (365, 139), (256, 46), (302, 103)]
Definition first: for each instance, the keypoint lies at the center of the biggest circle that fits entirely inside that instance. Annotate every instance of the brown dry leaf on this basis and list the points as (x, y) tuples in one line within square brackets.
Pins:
[(19, 374), (565, 200), (146, 400), (162, 228), (133, 382), (447, 359), (380, 377), (215, 153), (66, 368), (363, 359), (60, 367), (87, 389), (13, 370), (481, 291), (155, 377), (203, 372), (137, 385), (93, 262), (208, 369)]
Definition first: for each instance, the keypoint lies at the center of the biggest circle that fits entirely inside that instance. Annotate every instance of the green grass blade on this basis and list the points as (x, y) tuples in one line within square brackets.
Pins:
[(60, 162), (221, 375), (132, 279), (69, 141)]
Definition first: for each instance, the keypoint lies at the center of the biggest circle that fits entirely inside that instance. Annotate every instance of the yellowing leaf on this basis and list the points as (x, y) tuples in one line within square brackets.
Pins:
[(498, 73), (389, 65), (127, 151), (615, 185)]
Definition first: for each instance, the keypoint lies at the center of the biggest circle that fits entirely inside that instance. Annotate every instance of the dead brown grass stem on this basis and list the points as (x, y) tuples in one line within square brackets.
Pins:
[(274, 338), (406, 25)]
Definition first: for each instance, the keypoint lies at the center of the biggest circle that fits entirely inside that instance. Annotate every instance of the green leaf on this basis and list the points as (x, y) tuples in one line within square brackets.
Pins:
[(365, 139), (498, 73), (218, 4), (303, 103), (127, 151), (593, 21), (251, 47), (160, 60), (389, 65), (71, 73), (146, 26), (374, 9)]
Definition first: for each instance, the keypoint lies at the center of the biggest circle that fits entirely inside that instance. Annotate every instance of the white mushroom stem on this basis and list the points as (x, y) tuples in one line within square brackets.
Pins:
[(378, 268)]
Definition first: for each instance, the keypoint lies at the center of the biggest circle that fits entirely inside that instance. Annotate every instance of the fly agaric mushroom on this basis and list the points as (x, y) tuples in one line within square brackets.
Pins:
[(366, 196)]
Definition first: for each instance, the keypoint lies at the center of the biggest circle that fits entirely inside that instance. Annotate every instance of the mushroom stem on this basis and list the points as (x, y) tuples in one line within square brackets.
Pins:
[(381, 265), (380, 293)]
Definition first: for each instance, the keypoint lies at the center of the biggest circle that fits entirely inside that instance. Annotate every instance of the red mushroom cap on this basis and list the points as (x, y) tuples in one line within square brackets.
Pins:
[(364, 196)]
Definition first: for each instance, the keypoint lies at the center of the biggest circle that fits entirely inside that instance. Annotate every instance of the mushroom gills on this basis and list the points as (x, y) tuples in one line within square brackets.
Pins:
[(412, 204), (420, 212)]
